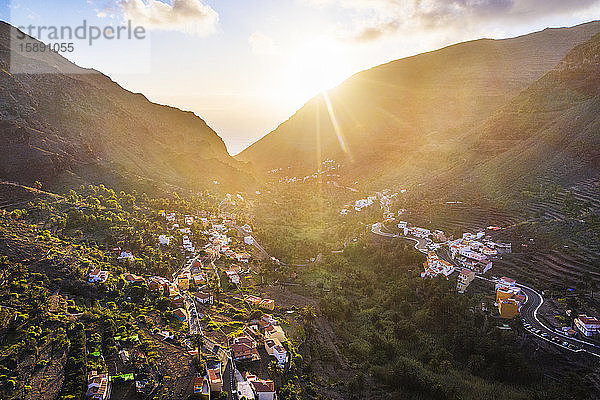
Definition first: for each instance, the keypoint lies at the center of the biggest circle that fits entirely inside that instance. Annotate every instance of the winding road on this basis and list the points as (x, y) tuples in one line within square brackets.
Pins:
[(529, 310)]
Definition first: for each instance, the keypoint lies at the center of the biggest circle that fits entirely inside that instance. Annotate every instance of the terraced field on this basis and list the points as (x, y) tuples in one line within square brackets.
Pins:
[(550, 250)]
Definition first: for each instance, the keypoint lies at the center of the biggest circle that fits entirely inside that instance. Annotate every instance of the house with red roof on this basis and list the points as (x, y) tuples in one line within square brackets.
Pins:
[(244, 349)]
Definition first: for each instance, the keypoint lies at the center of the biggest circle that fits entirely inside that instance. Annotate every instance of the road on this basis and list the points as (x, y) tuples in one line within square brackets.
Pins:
[(229, 384), (420, 245), (529, 310), (529, 313), (193, 318)]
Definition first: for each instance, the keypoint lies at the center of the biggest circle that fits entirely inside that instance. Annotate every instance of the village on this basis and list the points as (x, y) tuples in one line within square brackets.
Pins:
[(471, 256), (223, 323)]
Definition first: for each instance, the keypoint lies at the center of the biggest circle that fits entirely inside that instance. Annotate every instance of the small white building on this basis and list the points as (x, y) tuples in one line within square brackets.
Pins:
[(421, 232), (247, 228), (97, 276), (588, 326), (274, 348), (505, 282), (164, 240), (249, 240), (125, 255)]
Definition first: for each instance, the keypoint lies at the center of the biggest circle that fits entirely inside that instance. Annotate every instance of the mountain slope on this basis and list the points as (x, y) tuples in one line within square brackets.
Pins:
[(64, 125), (549, 132), (399, 112)]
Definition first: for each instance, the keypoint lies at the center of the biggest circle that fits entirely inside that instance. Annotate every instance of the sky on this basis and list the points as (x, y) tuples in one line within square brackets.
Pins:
[(245, 66)]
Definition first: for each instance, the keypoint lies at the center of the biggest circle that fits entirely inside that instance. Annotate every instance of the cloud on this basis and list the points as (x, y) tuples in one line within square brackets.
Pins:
[(261, 44), (374, 19), (188, 16)]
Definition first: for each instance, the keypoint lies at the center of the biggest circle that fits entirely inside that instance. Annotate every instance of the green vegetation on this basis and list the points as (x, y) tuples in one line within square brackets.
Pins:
[(417, 337)]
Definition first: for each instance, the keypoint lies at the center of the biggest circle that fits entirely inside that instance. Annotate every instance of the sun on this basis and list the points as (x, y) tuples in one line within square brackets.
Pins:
[(315, 66)]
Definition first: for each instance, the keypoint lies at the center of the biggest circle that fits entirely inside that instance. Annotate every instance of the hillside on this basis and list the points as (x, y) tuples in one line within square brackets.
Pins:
[(549, 132), (404, 119), (64, 125)]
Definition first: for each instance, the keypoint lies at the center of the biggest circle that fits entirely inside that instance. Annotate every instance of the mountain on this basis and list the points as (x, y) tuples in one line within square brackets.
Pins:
[(404, 119), (63, 125), (549, 132)]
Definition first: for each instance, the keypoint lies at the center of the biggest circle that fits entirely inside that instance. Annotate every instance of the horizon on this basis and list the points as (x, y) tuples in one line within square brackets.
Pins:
[(254, 81)]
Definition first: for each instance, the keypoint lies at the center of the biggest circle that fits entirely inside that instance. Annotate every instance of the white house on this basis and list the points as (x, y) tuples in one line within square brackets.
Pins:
[(249, 240), (402, 225), (125, 255), (97, 275), (204, 298), (164, 240), (421, 232), (274, 348), (588, 326), (505, 282), (247, 228)]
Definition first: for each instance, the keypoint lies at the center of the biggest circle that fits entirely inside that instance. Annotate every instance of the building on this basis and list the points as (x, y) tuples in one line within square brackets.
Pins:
[(180, 314), (267, 304), (249, 240), (98, 386), (158, 284), (275, 332), (164, 240), (439, 235), (202, 388), (125, 256), (588, 326), (97, 276), (504, 292), (183, 282), (506, 282), (465, 277), (214, 378), (488, 251), (508, 308), (263, 390), (421, 232), (204, 298), (253, 300), (233, 277), (244, 349), (199, 280), (131, 278), (434, 266), (268, 318), (274, 348)]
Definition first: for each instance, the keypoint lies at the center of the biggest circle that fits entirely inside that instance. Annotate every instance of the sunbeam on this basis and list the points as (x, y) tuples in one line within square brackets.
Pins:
[(336, 125)]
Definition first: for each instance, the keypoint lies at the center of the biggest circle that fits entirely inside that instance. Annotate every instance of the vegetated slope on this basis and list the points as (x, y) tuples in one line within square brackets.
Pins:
[(549, 133), (413, 109), (63, 124)]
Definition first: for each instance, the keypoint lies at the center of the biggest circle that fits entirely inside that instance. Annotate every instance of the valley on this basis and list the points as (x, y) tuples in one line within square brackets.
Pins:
[(429, 229)]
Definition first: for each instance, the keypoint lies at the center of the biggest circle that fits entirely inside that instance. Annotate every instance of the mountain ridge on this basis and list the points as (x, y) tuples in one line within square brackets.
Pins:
[(389, 106), (68, 120)]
